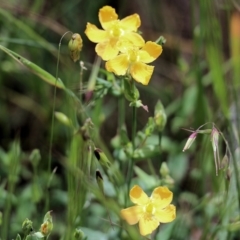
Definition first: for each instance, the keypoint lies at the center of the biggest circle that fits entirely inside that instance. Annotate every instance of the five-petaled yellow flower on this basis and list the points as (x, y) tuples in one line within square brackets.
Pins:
[(114, 31), (133, 60), (149, 212)]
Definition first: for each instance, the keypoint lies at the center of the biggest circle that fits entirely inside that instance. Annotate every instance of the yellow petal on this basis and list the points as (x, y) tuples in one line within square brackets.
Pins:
[(106, 16), (138, 196), (167, 214), (161, 197), (94, 34), (141, 72), (154, 50), (147, 225), (131, 23), (107, 50), (118, 65), (135, 38), (132, 214)]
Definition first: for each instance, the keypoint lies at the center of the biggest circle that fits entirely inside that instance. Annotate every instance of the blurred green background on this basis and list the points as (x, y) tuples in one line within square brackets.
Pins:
[(196, 78)]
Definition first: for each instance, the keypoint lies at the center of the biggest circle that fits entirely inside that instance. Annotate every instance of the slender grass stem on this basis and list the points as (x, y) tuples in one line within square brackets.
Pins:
[(52, 121)]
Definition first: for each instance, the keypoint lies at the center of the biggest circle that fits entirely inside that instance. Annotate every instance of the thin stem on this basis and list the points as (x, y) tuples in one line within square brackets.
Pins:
[(52, 121), (130, 163)]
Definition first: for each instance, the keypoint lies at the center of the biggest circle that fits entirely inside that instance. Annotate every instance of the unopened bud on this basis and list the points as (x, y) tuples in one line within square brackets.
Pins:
[(75, 46), (78, 234), (47, 226), (214, 139), (190, 141), (27, 226), (164, 170), (61, 117), (160, 116)]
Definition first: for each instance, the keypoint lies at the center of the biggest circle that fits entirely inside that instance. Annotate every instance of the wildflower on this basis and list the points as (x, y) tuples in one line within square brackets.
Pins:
[(113, 31), (133, 59), (149, 212)]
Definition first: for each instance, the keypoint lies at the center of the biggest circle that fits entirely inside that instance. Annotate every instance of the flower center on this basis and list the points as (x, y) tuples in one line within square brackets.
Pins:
[(133, 56), (116, 30), (149, 209)]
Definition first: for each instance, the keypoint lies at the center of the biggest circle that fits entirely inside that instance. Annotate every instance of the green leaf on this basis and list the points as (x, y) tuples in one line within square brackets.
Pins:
[(44, 75)]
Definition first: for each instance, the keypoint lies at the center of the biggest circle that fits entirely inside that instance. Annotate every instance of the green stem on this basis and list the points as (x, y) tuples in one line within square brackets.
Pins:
[(130, 163), (121, 112)]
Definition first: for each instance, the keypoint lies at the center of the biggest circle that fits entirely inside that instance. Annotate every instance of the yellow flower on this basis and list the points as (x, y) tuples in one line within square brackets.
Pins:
[(114, 30), (149, 212), (133, 60)]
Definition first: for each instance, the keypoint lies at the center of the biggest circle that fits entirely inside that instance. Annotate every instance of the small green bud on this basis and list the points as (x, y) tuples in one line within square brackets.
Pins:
[(99, 179), (130, 91), (61, 117), (164, 170), (75, 46), (79, 234), (47, 226), (160, 116), (27, 226), (102, 158)]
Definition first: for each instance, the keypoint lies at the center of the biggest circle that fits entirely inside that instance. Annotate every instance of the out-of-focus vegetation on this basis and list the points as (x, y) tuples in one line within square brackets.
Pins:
[(47, 161)]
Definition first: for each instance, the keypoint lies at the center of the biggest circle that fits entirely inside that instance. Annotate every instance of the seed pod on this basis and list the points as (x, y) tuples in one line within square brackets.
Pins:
[(75, 46)]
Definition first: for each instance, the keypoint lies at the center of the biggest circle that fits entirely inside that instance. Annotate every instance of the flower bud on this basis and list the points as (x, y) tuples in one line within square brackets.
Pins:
[(102, 158), (214, 139), (75, 46), (164, 171), (27, 226), (61, 117), (47, 226), (160, 116), (79, 234), (190, 141)]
